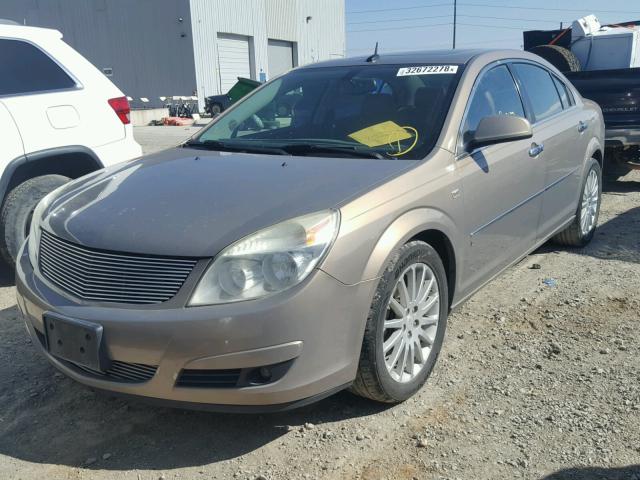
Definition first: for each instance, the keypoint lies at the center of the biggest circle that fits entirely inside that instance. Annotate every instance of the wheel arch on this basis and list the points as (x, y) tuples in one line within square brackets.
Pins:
[(594, 150), (72, 161), (442, 244), (426, 224), (597, 154)]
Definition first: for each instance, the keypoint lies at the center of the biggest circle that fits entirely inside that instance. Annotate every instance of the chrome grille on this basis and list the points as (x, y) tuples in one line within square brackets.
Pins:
[(108, 276)]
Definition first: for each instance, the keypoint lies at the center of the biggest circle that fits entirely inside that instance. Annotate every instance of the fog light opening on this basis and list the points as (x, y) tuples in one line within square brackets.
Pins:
[(260, 376)]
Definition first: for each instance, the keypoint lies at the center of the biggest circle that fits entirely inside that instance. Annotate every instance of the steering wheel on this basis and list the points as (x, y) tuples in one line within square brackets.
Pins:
[(254, 122)]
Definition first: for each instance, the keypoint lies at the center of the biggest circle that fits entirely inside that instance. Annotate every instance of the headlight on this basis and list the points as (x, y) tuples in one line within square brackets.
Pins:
[(34, 229), (268, 261)]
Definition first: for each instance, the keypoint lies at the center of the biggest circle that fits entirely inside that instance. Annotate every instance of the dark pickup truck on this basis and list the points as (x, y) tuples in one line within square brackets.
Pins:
[(616, 91), (618, 94)]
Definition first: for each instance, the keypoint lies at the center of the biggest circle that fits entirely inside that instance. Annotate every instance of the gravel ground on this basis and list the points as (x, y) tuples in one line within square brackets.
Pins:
[(539, 378)]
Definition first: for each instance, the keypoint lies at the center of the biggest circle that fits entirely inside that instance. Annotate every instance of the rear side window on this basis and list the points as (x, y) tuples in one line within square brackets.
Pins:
[(540, 89), (25, 68), (565, 95), (495, 94)]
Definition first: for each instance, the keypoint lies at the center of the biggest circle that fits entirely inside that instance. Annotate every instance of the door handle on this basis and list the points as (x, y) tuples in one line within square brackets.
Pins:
[(582, 126), (536, 149)]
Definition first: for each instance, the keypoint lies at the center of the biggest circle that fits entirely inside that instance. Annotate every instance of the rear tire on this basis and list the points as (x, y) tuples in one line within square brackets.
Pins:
[(575, 235), (15, 217), (560, 57), (377, 380)]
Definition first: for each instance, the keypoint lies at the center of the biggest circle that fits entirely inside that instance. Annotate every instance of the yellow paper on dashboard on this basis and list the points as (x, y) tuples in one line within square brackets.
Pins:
[(380, 134)]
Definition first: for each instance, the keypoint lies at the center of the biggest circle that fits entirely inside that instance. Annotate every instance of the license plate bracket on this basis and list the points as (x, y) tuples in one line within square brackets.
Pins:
[(76, 341)]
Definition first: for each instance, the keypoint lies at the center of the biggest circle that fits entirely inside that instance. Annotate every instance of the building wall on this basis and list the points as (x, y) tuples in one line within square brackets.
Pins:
[(149, 49), (319, 37), (153, 53)]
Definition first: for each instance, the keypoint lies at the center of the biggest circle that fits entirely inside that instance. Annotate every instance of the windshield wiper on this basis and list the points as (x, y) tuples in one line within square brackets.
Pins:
[(230, 147), (353, 151)]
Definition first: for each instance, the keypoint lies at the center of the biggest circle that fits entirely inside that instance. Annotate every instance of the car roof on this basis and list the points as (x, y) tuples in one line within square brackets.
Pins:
[(28, 33), (458, 56)]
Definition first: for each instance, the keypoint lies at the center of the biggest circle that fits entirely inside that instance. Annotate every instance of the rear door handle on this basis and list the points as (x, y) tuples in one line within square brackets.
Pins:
[(582, 126), (536, 149)]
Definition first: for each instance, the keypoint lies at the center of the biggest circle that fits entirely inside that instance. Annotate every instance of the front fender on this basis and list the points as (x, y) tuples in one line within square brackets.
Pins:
[(402, 230), (364, 261)]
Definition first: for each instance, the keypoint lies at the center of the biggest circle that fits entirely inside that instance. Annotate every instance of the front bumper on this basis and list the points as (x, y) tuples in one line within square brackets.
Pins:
[(315, 329)]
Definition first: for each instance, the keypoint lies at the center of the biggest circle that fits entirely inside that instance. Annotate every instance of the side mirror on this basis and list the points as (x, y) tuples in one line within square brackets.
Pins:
[(500, 129)]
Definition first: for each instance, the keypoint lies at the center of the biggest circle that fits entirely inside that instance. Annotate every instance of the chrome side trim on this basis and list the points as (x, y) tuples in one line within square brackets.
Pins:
[(527, 200)]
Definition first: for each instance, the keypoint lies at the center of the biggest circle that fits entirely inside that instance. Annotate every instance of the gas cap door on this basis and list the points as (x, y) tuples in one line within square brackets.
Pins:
[(63, 117)]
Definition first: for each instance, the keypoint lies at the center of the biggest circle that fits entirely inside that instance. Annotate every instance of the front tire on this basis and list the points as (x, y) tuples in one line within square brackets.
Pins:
[(405, 327), (216, 109), (583, 227), (15, 217)]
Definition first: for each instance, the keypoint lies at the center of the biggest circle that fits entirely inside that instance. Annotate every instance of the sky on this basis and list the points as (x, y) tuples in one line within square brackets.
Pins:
[(428, 24)]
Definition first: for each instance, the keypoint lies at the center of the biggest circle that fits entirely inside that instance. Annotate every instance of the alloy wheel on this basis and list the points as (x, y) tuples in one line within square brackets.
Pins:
[(590, 200), (411, 322)]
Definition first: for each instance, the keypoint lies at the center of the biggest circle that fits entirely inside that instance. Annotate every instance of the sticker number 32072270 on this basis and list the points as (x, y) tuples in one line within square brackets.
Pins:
[(427, 70)]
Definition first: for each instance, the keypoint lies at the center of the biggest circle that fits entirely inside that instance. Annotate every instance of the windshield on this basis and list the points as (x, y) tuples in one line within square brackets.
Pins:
[(372, 111)]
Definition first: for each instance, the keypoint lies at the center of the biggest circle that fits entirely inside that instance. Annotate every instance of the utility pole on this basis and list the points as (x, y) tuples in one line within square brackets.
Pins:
[(455, 17)]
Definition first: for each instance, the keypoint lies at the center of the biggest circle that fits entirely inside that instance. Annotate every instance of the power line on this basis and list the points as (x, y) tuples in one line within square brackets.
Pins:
[(538, 8), (512, 18), (404, 28), (406, 19), (403, 8), (401, 19), (490, 26), (397, 49)]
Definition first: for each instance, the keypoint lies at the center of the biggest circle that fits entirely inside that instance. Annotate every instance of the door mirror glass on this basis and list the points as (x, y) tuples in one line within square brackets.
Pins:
[(499, 129)]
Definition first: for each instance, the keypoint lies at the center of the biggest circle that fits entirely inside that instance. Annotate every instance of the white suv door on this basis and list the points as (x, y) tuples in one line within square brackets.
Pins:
[(11, 141)]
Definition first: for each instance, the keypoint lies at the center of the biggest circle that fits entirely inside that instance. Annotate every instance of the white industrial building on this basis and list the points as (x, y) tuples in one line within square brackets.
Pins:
[(153, 48), (246, 37)]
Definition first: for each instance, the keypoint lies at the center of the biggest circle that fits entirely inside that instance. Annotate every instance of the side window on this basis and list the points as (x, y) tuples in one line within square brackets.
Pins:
[(540, 89), (25, 68), (564, 93), (495, 94)]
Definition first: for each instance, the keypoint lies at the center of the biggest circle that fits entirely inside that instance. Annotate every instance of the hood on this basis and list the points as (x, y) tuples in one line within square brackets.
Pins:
[(193, 203)]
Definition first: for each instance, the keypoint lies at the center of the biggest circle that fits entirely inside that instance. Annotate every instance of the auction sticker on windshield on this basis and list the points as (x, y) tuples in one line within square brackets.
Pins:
[(427, 70)]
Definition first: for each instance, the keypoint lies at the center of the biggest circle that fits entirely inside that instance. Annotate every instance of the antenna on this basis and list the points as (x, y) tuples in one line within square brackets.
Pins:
[(373, 58)]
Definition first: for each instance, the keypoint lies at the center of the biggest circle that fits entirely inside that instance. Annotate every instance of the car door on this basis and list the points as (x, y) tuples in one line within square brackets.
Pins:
[(501, 182), (556, 128), (12, 148)]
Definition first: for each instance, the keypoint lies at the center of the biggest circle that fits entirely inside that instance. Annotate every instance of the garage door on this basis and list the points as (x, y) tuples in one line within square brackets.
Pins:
[(234, 59), (280, 55)]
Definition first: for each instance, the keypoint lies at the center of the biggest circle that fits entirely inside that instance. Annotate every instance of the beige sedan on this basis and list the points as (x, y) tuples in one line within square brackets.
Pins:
[(278, 257)]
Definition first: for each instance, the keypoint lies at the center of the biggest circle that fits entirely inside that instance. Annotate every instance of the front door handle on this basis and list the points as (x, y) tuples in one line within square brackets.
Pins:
[(536, 149), (582, 126)]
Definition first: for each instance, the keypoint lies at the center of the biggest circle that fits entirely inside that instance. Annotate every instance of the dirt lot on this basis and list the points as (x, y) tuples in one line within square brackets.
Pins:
[(536, 380)]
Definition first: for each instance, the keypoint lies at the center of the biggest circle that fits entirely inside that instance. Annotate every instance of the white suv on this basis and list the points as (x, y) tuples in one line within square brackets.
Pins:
[(60, 118)]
